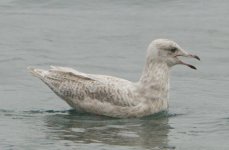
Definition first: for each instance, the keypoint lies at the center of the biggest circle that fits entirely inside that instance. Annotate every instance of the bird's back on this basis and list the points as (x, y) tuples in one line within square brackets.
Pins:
[(79, 89)]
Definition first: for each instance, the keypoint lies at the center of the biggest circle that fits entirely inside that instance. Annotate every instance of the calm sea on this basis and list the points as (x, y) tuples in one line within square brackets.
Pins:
[(111, 37)]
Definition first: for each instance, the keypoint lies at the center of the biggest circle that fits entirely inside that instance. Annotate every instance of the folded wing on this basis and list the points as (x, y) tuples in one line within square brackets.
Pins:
[(76, 87)]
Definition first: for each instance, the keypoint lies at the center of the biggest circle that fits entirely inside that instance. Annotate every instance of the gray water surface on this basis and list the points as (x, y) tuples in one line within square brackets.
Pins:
[(111, 37)]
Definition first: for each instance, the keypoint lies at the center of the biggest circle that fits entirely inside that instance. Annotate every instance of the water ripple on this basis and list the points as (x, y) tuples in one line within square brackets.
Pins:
[(11, 59)]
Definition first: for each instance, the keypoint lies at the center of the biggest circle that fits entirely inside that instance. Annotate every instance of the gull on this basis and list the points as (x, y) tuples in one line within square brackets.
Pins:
[(116, 97)]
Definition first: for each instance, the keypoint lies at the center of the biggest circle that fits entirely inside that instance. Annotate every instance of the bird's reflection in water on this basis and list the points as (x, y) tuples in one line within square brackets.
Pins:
[(148, 132)]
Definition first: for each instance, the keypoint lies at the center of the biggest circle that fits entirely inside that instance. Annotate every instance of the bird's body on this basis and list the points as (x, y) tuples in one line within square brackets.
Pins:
[(111, 96), (103, 95)]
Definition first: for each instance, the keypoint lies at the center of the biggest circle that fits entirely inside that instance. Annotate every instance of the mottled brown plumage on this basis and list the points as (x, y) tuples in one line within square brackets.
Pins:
[(115, 97)]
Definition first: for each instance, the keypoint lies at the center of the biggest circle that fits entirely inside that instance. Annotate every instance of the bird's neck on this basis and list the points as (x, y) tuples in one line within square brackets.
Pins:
[(154, 81)]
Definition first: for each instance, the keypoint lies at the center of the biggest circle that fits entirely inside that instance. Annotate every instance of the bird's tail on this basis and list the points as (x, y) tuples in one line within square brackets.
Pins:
[(37, 72)]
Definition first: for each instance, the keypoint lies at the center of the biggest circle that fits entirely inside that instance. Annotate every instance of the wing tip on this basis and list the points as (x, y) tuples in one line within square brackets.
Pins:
[(36, 72)]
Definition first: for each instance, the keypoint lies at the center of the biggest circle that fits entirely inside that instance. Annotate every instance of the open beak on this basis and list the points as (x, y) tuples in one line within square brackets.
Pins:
[(188, 55)]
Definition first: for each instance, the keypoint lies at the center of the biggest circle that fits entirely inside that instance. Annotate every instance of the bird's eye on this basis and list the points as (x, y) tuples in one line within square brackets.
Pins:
[(173, 50)]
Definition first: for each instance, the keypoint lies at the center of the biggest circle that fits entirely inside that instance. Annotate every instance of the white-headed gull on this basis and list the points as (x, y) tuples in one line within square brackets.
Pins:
[(115, 97)]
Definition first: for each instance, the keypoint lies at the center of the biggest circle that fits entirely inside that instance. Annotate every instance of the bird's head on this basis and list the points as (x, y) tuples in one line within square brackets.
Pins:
[(167, 51)]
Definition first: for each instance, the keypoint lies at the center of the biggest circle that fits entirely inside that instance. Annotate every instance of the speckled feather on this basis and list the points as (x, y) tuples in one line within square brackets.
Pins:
[(112, 96)]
